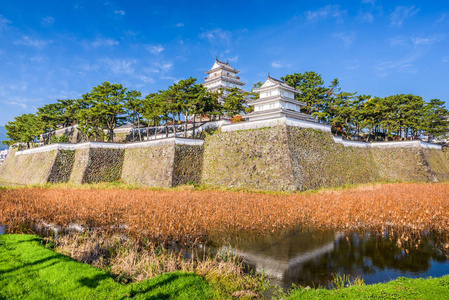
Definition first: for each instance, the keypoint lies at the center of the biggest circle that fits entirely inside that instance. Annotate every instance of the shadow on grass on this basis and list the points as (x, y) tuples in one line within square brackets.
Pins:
[(186, 281), (94, 282), (34, 263)]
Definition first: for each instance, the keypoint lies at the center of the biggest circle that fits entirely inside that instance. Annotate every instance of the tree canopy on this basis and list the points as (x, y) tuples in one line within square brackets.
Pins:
[(107, 106)]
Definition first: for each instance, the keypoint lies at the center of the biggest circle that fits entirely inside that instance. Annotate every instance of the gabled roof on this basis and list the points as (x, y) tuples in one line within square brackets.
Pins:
[(271, 82), (221, 65)]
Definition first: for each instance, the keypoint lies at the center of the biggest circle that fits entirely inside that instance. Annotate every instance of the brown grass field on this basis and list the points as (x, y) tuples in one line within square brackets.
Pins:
[(187, 216)]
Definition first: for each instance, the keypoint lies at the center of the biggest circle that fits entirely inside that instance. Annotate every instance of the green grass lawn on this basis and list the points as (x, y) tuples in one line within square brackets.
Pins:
[(30, 271), (401, 288)]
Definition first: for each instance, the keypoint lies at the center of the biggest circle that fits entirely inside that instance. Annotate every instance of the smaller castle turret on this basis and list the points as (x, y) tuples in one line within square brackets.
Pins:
[(276, 100)]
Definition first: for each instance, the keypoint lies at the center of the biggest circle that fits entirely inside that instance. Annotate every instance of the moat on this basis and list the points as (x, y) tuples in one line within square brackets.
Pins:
[(309, 258)]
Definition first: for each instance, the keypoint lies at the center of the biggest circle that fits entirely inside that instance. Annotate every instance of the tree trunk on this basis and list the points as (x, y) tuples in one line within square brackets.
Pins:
[(193, 134), (185, 125), (132, 127), (138, 125), (174, 124), (166, 129), (111, 135)]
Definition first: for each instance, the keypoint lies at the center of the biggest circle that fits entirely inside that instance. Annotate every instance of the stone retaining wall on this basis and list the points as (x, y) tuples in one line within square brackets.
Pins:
[(62, 166), (294, 158), (284, 158), (79, 166), (28, 169), (150, 166), (104, 165), (256, 158), (319, 162)]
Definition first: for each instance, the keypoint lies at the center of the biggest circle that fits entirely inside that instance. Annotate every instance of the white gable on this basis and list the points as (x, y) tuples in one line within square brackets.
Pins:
[(216, 65), (267, 84)]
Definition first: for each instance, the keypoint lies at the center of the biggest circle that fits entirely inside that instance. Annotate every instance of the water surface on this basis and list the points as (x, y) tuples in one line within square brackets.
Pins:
[(311, 258)]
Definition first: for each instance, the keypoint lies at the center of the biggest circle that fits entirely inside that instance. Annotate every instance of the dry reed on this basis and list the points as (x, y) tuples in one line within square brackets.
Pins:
[(188, 216)]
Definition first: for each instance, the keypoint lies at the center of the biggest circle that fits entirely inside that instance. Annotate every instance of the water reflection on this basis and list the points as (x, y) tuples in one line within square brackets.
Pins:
[(310, 258)]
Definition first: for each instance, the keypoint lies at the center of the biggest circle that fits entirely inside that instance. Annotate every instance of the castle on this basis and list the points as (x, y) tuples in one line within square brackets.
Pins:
[(278, 148)]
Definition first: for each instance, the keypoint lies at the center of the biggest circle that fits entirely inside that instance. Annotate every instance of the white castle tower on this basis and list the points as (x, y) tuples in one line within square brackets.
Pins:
[(277, 99), (222, 75)]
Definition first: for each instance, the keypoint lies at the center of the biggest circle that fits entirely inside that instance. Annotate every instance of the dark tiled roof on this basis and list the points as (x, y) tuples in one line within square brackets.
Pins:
[(224, 78), (282, 83)]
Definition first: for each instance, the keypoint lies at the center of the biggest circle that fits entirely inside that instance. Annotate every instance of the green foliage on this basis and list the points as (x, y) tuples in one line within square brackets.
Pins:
[(25, 128), (59, 139), (134, 106), (107, 106), (342, 281), (395, 117), (103, 109), (234, 102), (312, 91)]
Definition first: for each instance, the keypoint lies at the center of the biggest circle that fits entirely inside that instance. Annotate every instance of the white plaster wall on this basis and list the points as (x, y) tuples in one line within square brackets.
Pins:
[(275, 122), (385, 145), (151, 143)]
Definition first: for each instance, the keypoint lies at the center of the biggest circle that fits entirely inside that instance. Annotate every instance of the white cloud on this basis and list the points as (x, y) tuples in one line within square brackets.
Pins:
[(425, 40), (16, 103), (416, 41), (217, 34), (145, 79), (403, 65), (277, 65), (446, 59), (368, 1), (333, 11), (398, 41), (347, 39), (441, 19), (27, 41), (120, 66), (155, 49), (166, 67), (366, 17), (88, 67), (15, 87), (100, 42), (401, 13), (4, 22), (48, 20), (180, 25), (170, 78), (37, 58), (234, 58), (119, 12)]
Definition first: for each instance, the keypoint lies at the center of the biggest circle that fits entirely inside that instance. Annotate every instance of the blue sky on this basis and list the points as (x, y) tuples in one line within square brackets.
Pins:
[(60, 49)]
